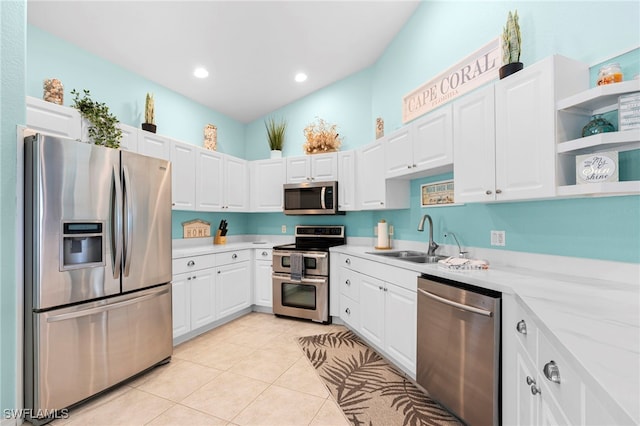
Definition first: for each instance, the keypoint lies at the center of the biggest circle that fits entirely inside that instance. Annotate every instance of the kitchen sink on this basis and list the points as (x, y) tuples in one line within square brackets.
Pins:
[(410, 256)]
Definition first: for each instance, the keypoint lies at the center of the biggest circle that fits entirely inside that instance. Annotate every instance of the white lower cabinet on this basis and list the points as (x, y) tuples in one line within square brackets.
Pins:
[(202, 285), (262, 272), (181, 304), (381, 311)]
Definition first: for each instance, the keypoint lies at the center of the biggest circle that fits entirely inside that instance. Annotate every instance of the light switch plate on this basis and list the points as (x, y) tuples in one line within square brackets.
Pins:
[(498, 238), (284, 229)]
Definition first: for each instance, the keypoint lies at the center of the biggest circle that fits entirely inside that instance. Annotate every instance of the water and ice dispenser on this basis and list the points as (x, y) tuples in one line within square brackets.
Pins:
[(82, 245)]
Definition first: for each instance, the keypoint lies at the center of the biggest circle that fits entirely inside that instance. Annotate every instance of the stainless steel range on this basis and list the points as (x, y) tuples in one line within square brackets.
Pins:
[(301, 273)]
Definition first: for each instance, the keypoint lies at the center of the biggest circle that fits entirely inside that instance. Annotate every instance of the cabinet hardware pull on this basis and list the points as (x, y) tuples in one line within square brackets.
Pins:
[(348, 311), (381, 203), (191, 263), (347, 282), (535, 390), (414, 165), (264, 253), (386, 289), (188, 278), (347, 261), (530, 381), (380, 287), (552, 372), (234, 256), (488, 192), (218, 271), (498, 191), (521, 327), (193, 278), (408, 166)]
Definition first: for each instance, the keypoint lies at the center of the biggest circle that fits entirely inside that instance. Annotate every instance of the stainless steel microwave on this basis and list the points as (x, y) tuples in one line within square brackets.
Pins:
[(311, 198)]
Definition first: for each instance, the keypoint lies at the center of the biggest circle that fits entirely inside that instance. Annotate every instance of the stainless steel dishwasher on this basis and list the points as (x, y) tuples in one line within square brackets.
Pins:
[(459, 348)]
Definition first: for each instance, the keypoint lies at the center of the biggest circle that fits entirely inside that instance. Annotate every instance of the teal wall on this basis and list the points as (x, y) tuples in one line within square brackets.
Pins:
[(12, 112)]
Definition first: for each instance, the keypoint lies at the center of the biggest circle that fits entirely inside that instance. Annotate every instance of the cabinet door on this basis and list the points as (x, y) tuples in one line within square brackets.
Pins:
[(267, 178), (432, 140), (154, 145), (324, 167), (372, 315), (371, 185), (298, 169), (183, 176), (209, 175), (262, 282), (202, 297), (525, 134), (129, 141), (181, 303), (235, 184), (400, 325), (53, 119), (233, 288), (550, 414), (347, 181), (474, 147), (398, 153), (526, 404)]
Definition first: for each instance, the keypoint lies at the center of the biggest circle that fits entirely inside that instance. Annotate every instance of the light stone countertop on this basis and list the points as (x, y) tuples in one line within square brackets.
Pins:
[(595, 322)]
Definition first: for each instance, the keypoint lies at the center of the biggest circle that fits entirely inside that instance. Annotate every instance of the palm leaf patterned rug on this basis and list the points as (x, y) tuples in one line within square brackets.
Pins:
[(368, 389)]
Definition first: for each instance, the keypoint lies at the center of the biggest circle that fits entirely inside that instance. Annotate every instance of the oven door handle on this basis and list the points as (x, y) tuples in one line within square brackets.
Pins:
[(313, 255), (456, 304), (287, 278), (314, 280)]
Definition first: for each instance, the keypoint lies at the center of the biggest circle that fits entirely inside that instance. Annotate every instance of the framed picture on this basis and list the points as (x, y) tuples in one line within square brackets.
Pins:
[(437, 193)]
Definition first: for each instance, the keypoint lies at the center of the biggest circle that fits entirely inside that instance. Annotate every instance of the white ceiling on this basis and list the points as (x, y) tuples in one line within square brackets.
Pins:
[(252, 49)]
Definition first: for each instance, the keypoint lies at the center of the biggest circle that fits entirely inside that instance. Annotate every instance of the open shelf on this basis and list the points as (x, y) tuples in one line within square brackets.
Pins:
[(598, 99), (600, 189), (617, 141)]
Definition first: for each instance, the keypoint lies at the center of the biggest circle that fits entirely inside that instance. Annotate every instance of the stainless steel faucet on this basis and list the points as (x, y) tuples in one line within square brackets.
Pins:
[(432, 245), (461, 253)]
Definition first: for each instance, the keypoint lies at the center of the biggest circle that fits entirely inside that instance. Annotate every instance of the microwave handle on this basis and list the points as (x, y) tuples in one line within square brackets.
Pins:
[(323, 203)]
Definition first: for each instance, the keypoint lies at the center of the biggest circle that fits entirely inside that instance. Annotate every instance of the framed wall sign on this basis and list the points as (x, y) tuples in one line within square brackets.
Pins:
[(595, 168), (437, 193), (196, 228)]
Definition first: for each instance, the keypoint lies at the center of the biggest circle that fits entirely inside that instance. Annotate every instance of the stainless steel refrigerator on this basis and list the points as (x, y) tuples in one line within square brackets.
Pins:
[(97, 269)]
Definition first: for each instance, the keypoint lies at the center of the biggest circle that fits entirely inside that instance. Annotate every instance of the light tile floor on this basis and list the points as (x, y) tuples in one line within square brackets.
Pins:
[(250, 371)]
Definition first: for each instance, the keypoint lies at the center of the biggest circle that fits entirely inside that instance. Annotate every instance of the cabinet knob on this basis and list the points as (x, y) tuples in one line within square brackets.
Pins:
[(530, 381), (347, 311), (552, 372), (489, 192), (188, 278), (347, 282), (386, 289), (193, 278), (381, 203), (218, 271), (535, 390), (521, 327), (191, 263), (408, 166), (414, 166), (347, 261), (234, 256), (498, 191), (380, 287), (264, 253)]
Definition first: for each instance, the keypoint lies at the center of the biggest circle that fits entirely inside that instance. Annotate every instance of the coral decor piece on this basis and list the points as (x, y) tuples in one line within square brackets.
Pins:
[(53, 91), (210, 137), (321, 137)]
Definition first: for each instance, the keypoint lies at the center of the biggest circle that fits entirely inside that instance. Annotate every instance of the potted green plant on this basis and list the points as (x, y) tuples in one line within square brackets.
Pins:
[(103, 129), (149, 114), (275, 136), (511, 45)]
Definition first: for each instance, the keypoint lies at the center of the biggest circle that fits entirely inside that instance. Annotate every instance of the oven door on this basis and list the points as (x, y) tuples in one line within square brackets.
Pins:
[(308, 298), (315, 262)]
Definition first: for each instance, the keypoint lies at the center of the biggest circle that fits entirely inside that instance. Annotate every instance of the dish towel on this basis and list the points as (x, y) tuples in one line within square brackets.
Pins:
[(459, 263), (297, 266)]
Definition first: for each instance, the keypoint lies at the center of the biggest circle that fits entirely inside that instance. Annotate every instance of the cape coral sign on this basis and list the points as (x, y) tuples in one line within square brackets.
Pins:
[(473, 71)]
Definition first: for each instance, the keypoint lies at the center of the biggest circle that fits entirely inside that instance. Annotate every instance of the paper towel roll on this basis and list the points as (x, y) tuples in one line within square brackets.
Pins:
[(383, 234)]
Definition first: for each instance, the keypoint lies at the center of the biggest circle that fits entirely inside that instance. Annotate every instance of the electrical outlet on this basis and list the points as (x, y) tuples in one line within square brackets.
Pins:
[(284, 229), (498, 238)]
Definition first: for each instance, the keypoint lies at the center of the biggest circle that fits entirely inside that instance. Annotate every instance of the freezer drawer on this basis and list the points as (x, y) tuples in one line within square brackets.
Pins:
[(85, 349)]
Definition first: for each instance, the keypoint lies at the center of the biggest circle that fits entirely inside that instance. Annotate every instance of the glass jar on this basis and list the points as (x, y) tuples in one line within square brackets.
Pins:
[(597, 125), (610, 73)]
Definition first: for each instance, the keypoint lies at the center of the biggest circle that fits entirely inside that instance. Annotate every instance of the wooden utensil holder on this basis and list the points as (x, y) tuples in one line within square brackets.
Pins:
[(218, 239)]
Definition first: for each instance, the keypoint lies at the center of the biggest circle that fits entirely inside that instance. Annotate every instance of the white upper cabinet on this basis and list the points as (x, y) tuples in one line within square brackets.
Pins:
[(423, 148), (53, 119), (183, 176), (129, 140), (375, 192), (236, 184), (266, 180), (209, 175), (315, 167), (154, 145), (347, 183)]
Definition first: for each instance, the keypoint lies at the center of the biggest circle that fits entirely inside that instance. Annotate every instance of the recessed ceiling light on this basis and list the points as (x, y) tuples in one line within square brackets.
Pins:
[(300, 77), (201, 72)]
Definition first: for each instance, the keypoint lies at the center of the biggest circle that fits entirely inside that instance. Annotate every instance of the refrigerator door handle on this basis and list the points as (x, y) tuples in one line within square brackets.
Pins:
[(128, 217), (104, 308), (116, 222)]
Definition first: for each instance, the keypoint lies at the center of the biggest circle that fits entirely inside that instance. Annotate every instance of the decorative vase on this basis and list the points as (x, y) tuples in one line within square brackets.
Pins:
[(276, 153), (597, 125), (149, 127), (508, 69)]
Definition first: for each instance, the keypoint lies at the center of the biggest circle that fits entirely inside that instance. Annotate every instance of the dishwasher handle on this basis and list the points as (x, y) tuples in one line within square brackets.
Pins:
[(456, 304)]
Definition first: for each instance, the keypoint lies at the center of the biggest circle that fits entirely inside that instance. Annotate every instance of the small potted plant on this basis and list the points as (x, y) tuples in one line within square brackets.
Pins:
[(275, 136), (511, 45), (103, 129), (149, 115)]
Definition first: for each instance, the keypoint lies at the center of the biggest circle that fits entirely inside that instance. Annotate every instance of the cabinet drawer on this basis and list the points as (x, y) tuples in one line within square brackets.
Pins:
[(264, 254), (193, 263), (232, 257), (568, 392), (350, 312), (525, 330), (350, 284)]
